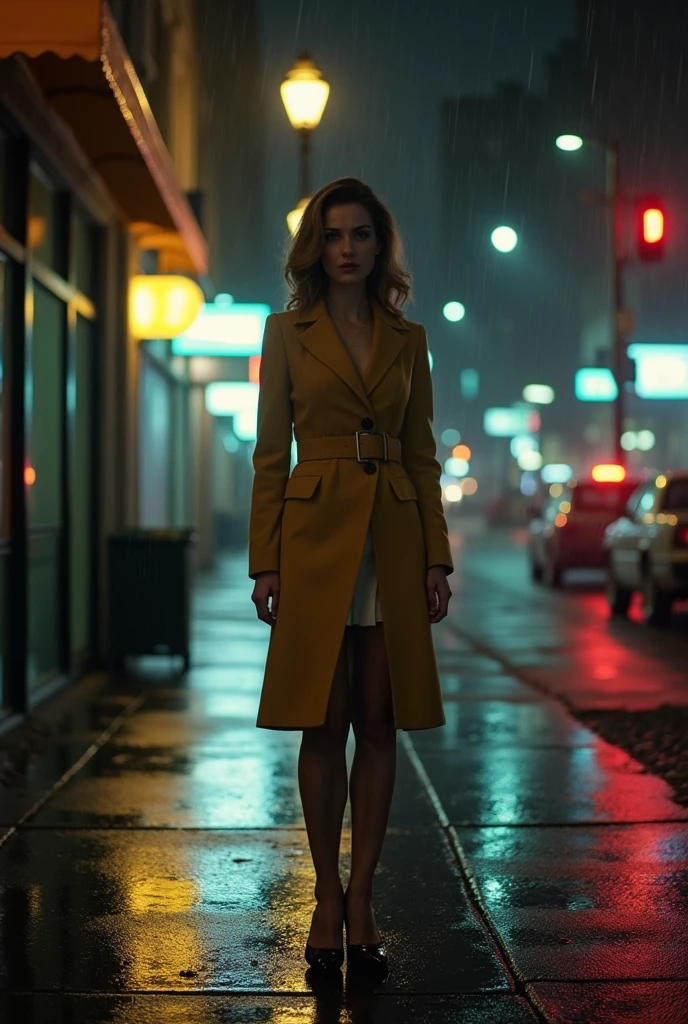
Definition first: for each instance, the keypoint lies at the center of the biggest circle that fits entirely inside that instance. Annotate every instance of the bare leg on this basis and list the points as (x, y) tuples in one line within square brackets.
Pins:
[(323, 787), (373, 774)]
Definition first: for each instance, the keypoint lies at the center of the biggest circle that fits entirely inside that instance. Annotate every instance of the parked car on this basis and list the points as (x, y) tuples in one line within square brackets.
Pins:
[(646, 549), (566, 532)]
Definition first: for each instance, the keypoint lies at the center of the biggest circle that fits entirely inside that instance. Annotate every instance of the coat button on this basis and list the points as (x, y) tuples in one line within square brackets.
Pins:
[(370, 467), (367, 423)]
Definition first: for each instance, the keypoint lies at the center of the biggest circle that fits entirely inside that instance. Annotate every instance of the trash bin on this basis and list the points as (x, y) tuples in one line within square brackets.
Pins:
[(150, 592)]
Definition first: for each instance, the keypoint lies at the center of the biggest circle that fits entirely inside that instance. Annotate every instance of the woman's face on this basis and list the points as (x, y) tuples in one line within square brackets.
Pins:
[(350, 243)]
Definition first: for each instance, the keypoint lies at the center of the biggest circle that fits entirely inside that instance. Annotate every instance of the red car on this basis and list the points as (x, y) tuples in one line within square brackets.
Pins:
[(568, 530)]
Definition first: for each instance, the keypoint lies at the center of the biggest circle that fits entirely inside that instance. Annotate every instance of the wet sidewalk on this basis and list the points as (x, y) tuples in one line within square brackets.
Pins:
[(154, 863)]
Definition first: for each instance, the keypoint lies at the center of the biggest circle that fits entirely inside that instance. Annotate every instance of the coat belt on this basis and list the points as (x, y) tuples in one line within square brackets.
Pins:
[(361, 446)]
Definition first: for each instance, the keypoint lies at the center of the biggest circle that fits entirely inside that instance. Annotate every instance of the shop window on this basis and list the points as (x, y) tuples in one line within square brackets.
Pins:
[(84, 256), (42, 227), (81, 489), (43, 477)]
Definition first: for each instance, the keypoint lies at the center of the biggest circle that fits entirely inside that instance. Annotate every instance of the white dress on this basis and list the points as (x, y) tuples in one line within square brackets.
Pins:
[(364, 609)]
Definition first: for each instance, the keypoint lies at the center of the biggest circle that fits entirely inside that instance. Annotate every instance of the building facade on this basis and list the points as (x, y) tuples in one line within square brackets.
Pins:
[(103, 176)]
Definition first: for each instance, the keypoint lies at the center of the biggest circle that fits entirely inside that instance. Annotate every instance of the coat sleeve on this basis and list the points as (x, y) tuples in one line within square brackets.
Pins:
[(418, 456), (272, 453)]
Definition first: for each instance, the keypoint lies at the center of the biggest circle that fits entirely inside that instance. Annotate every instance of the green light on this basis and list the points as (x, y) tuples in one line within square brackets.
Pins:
[(454, 311), (504, 238), (569, 143)]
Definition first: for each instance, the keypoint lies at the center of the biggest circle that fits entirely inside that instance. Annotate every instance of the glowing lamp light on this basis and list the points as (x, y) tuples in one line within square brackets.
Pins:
[(450, 437), (453, 492), (456, 467), (29, 476), (461, 451), (162, 305), (528, 484), (295, 216), (608, 473), (530, 460), (569, 143), (454, 311), (523, 443), (556, 473), (645, 440), (304, 94), (538, 394), (504, 238), (560, 519), (469, 485)]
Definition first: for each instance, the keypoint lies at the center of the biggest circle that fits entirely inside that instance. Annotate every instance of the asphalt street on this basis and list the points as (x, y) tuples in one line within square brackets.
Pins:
[(153, 856)]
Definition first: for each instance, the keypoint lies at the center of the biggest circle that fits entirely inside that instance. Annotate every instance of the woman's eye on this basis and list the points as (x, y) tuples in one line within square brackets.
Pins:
[(362, 234)]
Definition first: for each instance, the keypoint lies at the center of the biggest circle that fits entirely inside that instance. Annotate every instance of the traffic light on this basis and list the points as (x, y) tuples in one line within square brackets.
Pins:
[(651, 225)]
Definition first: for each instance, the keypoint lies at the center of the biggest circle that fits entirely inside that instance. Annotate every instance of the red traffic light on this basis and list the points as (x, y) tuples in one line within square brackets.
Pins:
[(653, 225), (651, 229)]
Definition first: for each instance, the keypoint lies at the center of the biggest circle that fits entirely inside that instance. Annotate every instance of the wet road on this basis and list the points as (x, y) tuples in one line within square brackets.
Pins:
[(154, 864)]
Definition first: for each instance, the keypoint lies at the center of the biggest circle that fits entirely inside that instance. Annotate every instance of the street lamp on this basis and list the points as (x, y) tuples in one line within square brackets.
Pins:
[(294, 216), (504, 238), (454, 311), (569, 143), (304, 94)]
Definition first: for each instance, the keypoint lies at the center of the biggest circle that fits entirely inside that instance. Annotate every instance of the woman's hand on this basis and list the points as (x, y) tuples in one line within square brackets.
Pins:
[(267, 585), (438, 593)]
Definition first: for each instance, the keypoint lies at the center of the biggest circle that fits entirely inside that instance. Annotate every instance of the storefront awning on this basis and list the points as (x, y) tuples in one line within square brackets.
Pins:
[(77, 56)]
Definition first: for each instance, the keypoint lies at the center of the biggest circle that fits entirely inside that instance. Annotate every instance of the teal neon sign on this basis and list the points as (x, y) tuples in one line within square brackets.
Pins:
[(595, 384), (224, 328), (661, 370)]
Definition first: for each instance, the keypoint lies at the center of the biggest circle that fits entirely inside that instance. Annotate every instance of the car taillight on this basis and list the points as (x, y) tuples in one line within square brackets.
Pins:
[(681, 536)]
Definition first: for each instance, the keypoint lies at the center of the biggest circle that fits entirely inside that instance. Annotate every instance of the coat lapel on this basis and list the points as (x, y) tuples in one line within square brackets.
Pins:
[(319, 335)]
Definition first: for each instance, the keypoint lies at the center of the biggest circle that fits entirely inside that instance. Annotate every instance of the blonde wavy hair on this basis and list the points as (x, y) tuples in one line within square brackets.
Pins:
[(389, 282)]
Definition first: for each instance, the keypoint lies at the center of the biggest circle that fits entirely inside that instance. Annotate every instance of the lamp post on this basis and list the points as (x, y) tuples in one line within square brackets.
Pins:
[(304, 94), (569, 143)]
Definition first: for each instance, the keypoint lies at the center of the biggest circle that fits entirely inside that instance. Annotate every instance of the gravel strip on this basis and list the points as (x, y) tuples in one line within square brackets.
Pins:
[(657, 738)]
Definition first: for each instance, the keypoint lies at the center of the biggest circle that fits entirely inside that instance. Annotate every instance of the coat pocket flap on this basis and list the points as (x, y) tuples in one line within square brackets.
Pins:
[(403, 487), (301, 486)]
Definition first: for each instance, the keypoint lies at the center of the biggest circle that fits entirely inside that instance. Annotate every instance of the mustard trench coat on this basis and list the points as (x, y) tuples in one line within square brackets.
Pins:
[(311, 526)]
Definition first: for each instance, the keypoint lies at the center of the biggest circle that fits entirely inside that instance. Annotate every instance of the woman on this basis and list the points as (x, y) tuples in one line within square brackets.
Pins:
[(350, 553)]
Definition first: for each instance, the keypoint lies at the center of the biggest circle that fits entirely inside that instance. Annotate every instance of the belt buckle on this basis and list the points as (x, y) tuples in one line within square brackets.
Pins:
[(358, 444)]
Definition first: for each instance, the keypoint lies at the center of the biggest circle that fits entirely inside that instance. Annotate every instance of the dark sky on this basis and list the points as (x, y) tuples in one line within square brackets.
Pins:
[(389, 64)]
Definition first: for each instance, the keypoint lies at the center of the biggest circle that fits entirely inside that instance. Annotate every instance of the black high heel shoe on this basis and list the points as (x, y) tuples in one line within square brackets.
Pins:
[(324, 959), (368, 956)]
